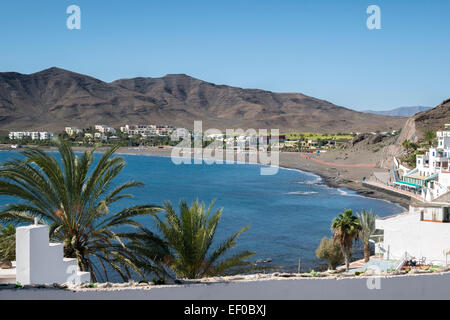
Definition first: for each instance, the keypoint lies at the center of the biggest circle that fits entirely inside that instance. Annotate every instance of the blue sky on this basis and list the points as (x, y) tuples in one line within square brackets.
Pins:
[(318, 47)]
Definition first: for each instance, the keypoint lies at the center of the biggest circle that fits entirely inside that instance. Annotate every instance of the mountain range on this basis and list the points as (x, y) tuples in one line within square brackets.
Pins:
[(54, 98), (400, 112)]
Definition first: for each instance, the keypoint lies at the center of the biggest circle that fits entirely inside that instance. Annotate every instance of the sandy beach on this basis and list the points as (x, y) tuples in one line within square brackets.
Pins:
[(338, 169)]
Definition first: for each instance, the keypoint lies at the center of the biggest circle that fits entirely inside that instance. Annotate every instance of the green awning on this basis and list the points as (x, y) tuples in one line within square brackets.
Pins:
[(409, 184)]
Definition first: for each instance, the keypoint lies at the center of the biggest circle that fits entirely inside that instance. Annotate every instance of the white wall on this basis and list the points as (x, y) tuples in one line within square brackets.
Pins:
[(41, 262), (424, 286), (418, 238)]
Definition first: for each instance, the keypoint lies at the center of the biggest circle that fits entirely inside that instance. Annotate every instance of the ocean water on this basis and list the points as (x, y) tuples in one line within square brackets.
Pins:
[(288, 213)]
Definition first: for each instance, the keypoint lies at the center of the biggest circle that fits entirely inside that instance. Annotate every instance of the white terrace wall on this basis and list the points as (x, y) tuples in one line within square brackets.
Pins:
[(41, 262), (420, 286), (421, 239)]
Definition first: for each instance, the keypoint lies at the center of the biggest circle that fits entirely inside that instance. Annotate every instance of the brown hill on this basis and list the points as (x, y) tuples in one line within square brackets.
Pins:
[(433, 119), (55, 98), (414, 129)]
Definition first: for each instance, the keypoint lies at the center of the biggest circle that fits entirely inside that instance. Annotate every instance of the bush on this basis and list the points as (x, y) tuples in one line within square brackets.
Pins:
[(331, 251), (7, 243)]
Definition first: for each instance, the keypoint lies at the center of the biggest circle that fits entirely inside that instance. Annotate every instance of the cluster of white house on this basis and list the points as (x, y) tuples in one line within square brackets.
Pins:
[(100, 134), (424, 231), (100, 128), (149, 130), (103, 131), (431, 177), (33, 135), (245, 140)]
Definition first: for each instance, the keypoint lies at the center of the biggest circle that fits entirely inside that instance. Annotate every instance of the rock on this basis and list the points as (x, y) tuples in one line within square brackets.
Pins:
[(5, 265), (286, 275), (144, 284), (358, 139), (104, 285), (375, 139), (121, 285)]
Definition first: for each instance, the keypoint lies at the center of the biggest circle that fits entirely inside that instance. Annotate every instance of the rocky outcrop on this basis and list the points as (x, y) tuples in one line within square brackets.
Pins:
[(414, 129), (366, 139)]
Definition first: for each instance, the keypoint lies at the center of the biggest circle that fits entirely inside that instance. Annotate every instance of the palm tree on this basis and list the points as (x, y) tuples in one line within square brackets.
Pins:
[(151, 254), (429, 137), (406, 144), (367, 223), (7, 244), (190, 236), (345, 229), (73, 197)]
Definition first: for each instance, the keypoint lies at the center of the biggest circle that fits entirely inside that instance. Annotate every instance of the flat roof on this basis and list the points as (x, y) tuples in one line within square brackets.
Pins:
[(417, 176), (408, 184), (444, 199)]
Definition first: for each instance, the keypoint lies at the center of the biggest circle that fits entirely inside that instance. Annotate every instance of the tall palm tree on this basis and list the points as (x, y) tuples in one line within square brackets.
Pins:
[(429, 137), (73, 197), (345, 229), (190, 236), (367, 223)]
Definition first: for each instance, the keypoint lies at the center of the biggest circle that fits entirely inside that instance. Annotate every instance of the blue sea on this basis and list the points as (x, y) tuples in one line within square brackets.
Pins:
[(288, 213)]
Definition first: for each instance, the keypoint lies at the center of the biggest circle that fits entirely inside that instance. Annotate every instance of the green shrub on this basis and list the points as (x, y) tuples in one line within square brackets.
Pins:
[(159, 281), (331, 251), (7, 243)]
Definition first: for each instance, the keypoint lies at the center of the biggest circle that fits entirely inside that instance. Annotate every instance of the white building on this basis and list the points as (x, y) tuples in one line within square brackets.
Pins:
[(143, 130), (104, 129), (181, 133), (45, 135), (422, 233), (72, 130), (34, 135), (432, 173), (164, 130), (147, 130), (100, 136)]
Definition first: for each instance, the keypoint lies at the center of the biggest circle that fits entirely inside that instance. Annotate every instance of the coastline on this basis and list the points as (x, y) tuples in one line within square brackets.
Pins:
[(350, 178), (291, 160)]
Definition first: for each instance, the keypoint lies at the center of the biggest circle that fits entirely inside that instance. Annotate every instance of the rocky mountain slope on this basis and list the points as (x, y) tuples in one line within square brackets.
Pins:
[(414, 129), (55, 98)]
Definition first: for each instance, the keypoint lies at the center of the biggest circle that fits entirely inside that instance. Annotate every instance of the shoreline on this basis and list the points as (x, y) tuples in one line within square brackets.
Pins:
[(293, 161), (288, 161), (332, 177)]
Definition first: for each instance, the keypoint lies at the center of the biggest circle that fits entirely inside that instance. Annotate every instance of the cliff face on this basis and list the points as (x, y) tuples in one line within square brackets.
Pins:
[(409, 132), (414, 129), (55, 98)]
